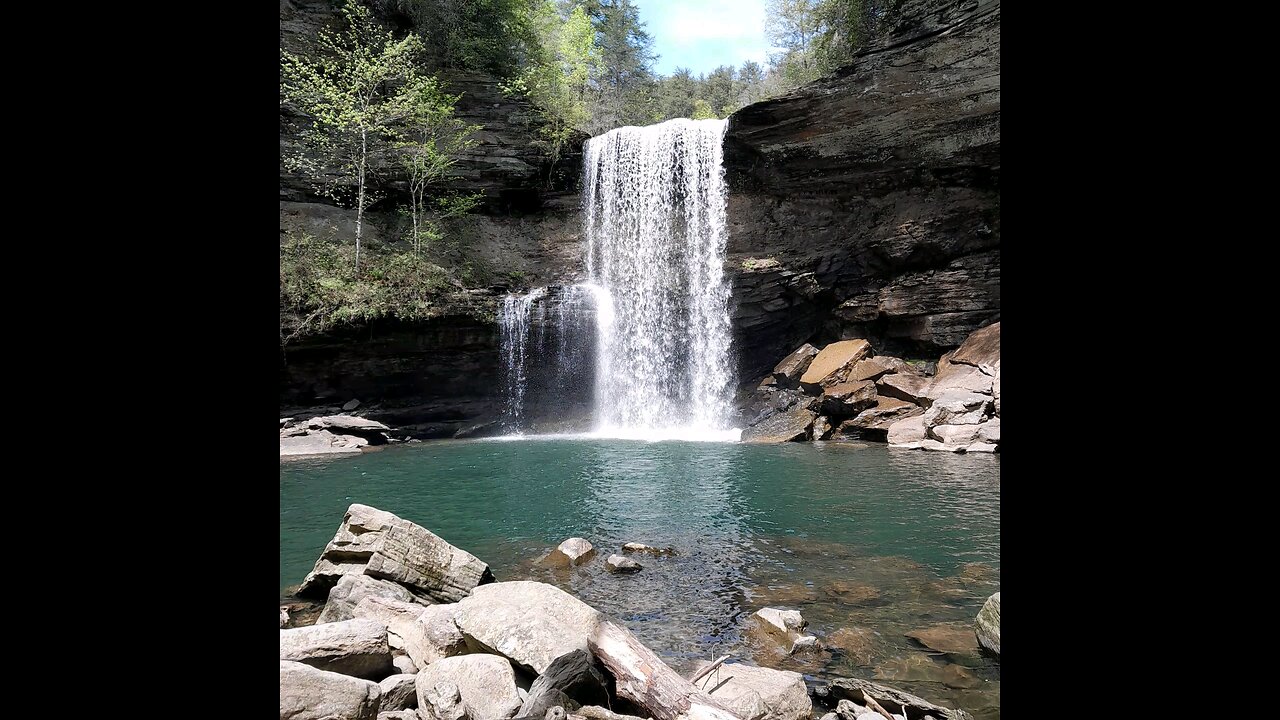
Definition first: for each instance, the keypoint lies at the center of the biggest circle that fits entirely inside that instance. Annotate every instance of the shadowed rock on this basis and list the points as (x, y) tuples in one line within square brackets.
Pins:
[(351, 647), (351, 589), (307, 693)]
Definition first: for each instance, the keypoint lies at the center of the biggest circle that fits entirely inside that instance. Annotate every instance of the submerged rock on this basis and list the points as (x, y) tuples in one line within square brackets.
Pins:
[(381, 545), (307, 693), (622, 564), (947, 638), (832, 365), (758, 693), (531, 623), (987, 626), (485, 685), (633, 547), (574, 551), (351, 647)]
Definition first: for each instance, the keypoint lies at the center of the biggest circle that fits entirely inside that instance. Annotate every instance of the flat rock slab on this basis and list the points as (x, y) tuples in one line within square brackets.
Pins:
[(757, 693), (378, 544), (352, 647), (833, 363), (307, 693), (318, 443), (911, 388), (847, 399), (947, 638), (347, 422), (531, 623), (908, 432)]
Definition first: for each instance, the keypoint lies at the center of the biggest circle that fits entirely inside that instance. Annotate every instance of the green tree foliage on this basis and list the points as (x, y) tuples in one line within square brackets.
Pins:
[(623, 87), (360, 90), (496, 36), (557, 80)]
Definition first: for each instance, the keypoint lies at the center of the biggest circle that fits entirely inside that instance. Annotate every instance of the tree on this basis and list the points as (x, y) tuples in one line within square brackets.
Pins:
[(558, 77), (793, 25), (428, 152), (358, 90), (496, 36), (621, 88)]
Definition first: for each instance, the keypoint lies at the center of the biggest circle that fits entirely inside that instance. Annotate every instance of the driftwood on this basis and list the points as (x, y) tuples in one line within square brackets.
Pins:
[(871, 703), (648, 682), (894, 700), (707, 670), (595, 712)]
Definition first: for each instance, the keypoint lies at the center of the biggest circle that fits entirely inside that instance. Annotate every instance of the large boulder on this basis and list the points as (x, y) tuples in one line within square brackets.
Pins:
[(349, 424), (757, 693), (310, 694), (787, 373), (885, 412), (779, 622), (845, 400), (989, 431), (351, 589), (399, 692), (795, 423), (574, 551), (987, 627), (955, 434), (832, 365), (378, 544), (486, 685), (425, 634), (320, 442), (908, 432), (911, 388), (530, 623), (351, 647), (959, 378), (982, 347), (873, 368), (957, 407), (571, 679)]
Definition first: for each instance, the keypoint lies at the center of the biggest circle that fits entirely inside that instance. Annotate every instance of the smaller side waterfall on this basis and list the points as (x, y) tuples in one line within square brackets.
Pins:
[(514, 319), (549, 339)]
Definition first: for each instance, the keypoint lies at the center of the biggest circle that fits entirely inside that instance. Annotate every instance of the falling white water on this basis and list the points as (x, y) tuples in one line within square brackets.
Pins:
[(654, 206), (514, 319)]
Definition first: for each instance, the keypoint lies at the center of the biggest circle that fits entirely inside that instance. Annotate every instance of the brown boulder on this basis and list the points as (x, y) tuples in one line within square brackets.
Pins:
[(982, 347), (787, 373), (872, 368), (911, 388), (849, 398), (832, 365)]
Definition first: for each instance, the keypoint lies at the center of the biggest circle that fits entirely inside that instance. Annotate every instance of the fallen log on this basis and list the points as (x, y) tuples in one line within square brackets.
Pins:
[(648, 682), (895, 701)]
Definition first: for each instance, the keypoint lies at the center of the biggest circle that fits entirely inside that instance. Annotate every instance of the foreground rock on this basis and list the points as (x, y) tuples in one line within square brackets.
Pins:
[(987, 626), (482, 686), (320, 443), (787, 373), (378, 544), (351, 589), (833, 364), (757, 693), (530, 623), (351, 647), (399, 692), (571, 681), (574, 551), (310, 694), (622, 564), (895, 701), (792, 424), (424, 634)]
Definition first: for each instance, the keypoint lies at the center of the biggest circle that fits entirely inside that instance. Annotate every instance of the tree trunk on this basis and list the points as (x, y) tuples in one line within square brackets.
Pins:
[(647, 681), (364, 154)]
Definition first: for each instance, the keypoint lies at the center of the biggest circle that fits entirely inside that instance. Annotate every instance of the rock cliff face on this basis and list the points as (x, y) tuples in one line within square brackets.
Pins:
[(868, 204), (865, 205)]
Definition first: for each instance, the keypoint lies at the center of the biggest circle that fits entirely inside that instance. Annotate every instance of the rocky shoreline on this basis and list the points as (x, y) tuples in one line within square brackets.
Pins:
[(413, 628)]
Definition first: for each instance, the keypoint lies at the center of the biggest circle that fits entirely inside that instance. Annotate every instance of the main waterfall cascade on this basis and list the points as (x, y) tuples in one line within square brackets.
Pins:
[(654, 221)]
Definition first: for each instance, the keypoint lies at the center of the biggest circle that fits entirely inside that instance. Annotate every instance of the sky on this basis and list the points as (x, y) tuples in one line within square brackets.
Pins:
[(703, 34)]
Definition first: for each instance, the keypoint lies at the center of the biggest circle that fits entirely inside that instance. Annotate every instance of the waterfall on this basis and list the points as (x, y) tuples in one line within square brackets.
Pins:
[(654, 215), (514, 320), (656, 300)]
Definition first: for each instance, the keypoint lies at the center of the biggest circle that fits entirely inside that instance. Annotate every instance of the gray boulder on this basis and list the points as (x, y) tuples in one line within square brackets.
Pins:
[(351, 589), (530, 623), (792, 424), (757, 693), (399, 692), (987, 626), (783, 623), (989, 431), (310, 694), (572, 680), (911, 388), (351, 647), (378, 544), (425, 634), (485, 685), (957, 407), (908, 432), (320, 442)]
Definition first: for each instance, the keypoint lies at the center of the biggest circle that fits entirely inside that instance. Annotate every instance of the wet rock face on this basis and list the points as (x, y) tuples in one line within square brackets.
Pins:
[(875, 194)]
